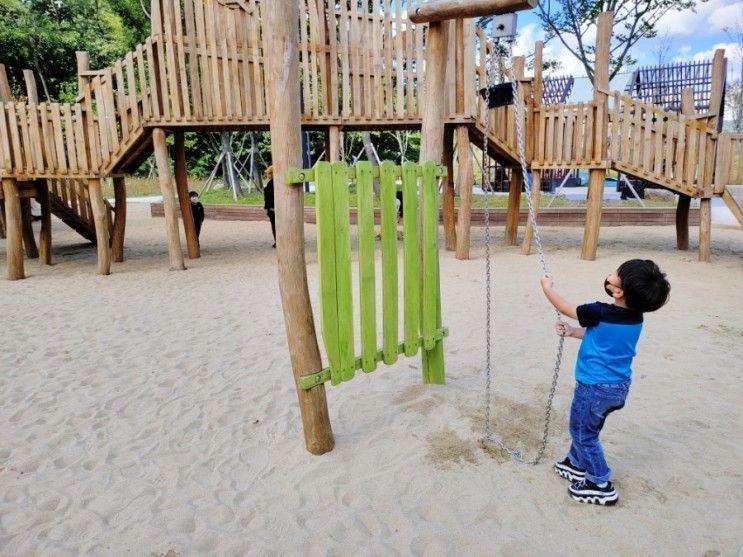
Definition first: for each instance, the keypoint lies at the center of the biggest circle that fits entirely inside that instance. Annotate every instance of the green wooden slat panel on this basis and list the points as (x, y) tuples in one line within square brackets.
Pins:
[(433, 353), (367, 290), (325, 202), (343, 279), (430, 256), (387, 172), (412, 290)]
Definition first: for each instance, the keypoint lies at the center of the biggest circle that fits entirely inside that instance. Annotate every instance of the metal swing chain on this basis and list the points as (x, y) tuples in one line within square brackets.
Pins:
[(519, 116)]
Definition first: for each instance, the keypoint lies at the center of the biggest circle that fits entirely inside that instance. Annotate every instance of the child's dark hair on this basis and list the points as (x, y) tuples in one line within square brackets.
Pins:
[(644, 284)]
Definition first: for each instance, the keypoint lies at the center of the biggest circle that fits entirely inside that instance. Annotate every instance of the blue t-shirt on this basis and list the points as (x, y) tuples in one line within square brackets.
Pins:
[(609, 343)]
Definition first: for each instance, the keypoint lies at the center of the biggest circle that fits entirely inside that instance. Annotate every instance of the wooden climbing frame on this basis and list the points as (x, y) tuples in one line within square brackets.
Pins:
[(421, 299)]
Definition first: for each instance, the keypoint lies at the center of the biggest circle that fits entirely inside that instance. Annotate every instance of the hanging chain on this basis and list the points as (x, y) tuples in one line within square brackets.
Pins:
[(519, 116)]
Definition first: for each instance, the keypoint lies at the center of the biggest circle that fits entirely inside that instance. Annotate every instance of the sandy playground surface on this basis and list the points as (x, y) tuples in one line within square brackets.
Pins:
[(153, 412)]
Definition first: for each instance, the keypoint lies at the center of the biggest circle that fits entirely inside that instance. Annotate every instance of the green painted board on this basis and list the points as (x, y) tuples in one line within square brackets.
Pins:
[(388, 174), (430, 229), (344, 283), (367, 289), (412, 290), (326, 262)]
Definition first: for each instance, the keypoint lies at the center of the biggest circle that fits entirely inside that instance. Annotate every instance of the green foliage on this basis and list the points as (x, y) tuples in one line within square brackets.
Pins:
[(573, 23), (43, 35)]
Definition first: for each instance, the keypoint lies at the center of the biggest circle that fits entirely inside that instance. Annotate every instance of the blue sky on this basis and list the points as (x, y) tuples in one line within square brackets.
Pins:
[(687, 35)]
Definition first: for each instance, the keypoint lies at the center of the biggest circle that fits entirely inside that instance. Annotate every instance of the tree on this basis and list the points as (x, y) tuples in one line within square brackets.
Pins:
[(573, 21), (734, 94)]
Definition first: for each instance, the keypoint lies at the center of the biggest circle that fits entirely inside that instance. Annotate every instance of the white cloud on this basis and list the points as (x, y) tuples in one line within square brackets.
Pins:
[(708, 17)]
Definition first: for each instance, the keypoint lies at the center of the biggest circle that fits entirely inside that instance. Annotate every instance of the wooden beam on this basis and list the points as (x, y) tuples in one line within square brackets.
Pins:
[(167, 190), (465, 193), (6, 95), (514, 202), (117, 238), (536, 187), (705, 229), (29, 241), (597, 176), (100, 220), (684, 202), (441, 10), (83, 65), (45, 234), (181, 183), (333, 143), (283, 94), (717, 93), (448, 211), (14, 233)]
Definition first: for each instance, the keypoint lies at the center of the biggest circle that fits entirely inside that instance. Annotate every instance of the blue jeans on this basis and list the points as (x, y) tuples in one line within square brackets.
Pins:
[(591, 405)]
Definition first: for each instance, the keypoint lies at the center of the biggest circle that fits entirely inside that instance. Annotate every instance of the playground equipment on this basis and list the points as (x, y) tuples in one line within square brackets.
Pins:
[(204, 67)]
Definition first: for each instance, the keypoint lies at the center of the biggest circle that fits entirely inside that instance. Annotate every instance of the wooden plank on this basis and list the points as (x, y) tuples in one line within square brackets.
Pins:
[(388, 175), (201, 42), (692, 150), (144, 87), (314, 48), (581, 131), (398, 58), (191, 46), (47, 138), (304, 51), (86, 159), (433, 355), (332, 23), (165, 88), (345, 54), (411, 276), (637, 135), (229, 110), (258, 67), (216, 90), (121, 101), (155, 93), (35, 136), (660, 129), (647, 144), (326, 262), (131, 98), (69, 136), (367, 288), (366, 67), (389, 38), (355, 30), (377, 62), (22, 111), (6, 160), (567, 152), (343, 270)]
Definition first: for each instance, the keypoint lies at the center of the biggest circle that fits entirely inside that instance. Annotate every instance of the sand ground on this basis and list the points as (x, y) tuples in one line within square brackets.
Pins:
[(151, 411)]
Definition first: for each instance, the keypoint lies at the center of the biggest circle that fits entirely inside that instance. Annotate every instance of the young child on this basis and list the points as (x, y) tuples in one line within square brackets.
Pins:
[(198, 211), (603, 371), (268, 202)]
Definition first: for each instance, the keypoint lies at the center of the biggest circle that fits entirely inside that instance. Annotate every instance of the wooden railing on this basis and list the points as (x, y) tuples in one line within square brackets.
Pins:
[(729, 163), (666, 148), (565, 136)]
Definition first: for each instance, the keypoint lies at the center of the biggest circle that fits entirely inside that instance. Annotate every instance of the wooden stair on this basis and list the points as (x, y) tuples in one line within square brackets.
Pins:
[(74, 211), (733, 197)]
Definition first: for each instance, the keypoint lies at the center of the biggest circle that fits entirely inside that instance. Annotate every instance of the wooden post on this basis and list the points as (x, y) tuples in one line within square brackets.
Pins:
[(717, 92), (181, 183), (2, 219), (464, 217), (447, 210), (597, 176), (283, 96), (100, 220), (117, 237), (29, 241), (6, 94), (83, 65), (45, 235), (684, 202), (333, 143), (705, 228), (31, 91), (434, 107), (14, 233), (536, 190), (166, 187), (514, 205)]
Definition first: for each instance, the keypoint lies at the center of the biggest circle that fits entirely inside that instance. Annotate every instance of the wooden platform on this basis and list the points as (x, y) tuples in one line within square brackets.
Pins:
[(565, 216)]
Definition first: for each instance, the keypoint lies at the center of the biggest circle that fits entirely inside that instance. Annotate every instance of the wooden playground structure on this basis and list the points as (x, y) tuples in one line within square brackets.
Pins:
[(204, 67), (236, 65)]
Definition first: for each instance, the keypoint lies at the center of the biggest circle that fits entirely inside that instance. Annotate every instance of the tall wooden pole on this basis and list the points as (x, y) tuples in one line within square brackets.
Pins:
[(435, 103), (14, 233), (333, 143), (166, 188), (447, 210), (464, 217), (440, 10), (536, 191), (45, 234), (597, 176), (117, 237), (684, 202), (100, 219), (181, 184), (283, 92)]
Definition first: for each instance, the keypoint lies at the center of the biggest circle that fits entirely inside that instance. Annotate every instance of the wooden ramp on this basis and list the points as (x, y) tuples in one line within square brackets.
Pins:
[(733, 197)]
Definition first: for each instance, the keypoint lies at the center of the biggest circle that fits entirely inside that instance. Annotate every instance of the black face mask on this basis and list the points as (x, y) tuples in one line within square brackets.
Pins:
[(606, 288)]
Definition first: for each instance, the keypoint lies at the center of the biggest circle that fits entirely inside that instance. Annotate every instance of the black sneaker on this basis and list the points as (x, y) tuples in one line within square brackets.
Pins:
[(586, 491), (569, 471)]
